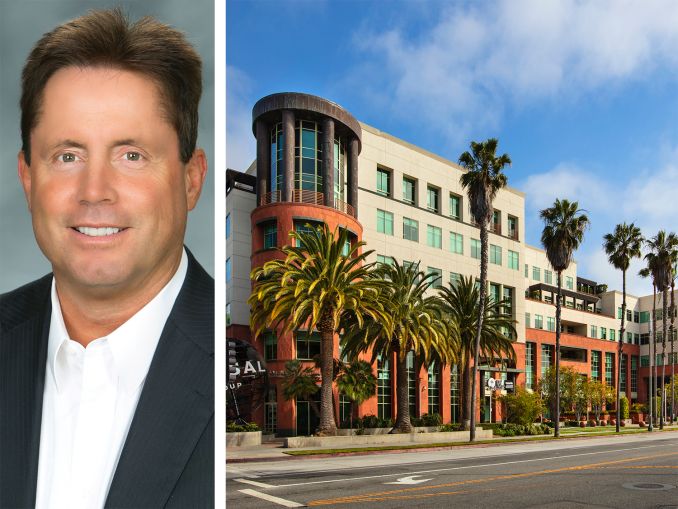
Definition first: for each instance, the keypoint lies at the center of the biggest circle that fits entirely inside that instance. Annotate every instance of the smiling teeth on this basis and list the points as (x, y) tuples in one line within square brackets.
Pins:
[(97, 232)]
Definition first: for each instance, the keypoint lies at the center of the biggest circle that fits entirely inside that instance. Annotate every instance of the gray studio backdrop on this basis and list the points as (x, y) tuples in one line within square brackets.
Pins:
[(22, 22)]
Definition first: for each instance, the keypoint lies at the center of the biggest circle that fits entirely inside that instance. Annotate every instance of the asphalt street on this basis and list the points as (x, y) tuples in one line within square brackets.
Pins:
[(633, 471)]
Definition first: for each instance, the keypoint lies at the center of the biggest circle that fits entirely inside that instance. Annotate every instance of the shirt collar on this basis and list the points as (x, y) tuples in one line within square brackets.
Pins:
[(133, 343)]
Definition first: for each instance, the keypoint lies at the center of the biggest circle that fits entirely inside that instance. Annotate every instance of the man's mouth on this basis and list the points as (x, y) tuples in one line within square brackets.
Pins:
[(98, 232)]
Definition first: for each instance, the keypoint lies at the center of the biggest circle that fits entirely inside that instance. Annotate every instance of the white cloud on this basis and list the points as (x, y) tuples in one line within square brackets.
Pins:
[(240, 143), (458, 75)]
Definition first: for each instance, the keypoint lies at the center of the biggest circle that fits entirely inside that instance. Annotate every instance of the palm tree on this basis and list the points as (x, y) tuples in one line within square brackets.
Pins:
[(482, 180), (563, 232), (300, 383), (357, 383), (462, 305), (673, 355), (621, 247), (416, 324), (647, 272), (664, 248), (313, 287)]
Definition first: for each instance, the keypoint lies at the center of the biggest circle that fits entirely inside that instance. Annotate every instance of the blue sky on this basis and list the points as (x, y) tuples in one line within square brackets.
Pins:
[(582, 95)]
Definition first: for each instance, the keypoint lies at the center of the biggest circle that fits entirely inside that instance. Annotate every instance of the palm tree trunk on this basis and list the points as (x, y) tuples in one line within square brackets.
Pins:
[(665, 310), (479, 328), (556, 431), (327, 425), (653, 343), (466, 395), (621, 348), (403, 423)]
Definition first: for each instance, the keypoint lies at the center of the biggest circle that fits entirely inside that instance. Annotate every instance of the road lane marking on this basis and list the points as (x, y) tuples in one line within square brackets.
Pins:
[(422, 472), (401, 493), (254, 483), (271, 498), (410, 479)]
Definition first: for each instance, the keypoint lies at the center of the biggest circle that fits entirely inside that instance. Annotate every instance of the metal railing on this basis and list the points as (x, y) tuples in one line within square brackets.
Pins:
[(311, 197)]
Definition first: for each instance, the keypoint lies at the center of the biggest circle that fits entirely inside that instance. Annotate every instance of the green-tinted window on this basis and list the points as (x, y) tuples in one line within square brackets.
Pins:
[(513, 261), (270, 235), (644, 361), (229, 270), (433, 389), (410, 229), (383, 181), (603, 333), (529, 365), (308, 345), (622, 374), (550, 323), (455, 412), (594, 331), (513, 227), (495, 292), (270, 346), (538, 322), (546, 356), (548, 277), (495, 254), (536, 273), (527, 320), (228, 225), (411, 384), (436, 277), (433, 199), (634, 373), (619, 313), (455, 206), (384, 392), (569, 282), (434, 236), (595, 365), (409, 190), (386, 260), (475, 249), (456, 243), (455, 278), (612, 334), (609, 369), (644, 316), (384, 222)]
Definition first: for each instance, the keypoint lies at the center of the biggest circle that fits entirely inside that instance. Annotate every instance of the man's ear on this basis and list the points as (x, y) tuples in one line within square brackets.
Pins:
[(24, 171), (196, 169)]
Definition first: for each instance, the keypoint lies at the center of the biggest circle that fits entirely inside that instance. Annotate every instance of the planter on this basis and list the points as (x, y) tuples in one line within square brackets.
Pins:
[(243, 439), (338, 442), (383, 431)]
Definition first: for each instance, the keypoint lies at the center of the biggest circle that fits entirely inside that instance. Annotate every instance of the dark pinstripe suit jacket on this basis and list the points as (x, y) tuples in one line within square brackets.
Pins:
[(168, 457)]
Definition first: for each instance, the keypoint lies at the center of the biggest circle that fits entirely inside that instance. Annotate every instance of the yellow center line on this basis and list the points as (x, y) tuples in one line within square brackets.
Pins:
[(394, 494)]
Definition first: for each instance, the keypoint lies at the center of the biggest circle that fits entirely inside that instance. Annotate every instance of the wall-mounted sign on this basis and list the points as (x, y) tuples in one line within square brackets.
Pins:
[(247, 380)]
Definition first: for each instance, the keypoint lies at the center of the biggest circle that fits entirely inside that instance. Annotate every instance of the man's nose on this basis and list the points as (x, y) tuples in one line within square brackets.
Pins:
[(97, 183)]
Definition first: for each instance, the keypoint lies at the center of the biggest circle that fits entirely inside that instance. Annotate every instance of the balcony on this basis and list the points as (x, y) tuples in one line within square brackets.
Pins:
[(308, 197)]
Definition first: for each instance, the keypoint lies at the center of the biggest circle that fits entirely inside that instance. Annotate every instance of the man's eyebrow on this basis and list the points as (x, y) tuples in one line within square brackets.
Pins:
[(68, 143), (125, 141)]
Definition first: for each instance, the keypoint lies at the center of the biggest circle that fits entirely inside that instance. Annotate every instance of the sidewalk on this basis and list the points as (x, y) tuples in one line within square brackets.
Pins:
[(274, 451)]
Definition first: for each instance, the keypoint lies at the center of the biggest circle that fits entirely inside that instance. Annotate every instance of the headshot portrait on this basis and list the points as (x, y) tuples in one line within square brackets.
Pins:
[(106, 293)]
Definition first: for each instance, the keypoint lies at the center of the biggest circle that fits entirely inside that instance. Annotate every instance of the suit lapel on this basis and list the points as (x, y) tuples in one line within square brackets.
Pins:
[(23, 357), (176, 403)]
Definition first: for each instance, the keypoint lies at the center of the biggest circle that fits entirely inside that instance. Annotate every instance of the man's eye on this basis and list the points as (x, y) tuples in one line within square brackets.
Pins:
[(132, 156), (67, 158)]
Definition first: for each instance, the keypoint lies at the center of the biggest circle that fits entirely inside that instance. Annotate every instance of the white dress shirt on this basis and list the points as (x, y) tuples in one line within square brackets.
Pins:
[(89, 400)]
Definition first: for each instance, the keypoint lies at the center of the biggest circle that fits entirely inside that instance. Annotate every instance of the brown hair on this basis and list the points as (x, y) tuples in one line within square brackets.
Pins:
[(107, 38)]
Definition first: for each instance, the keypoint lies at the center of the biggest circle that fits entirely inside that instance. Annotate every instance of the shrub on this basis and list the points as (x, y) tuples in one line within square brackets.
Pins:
[(372, 421), (592, 423), (449, 427), (523, 407), (232, 427), (639, 408), (624, 407), (513, 430), (431, 420)]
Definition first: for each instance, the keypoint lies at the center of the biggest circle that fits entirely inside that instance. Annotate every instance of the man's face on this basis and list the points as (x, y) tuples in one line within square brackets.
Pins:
[(107, 190)]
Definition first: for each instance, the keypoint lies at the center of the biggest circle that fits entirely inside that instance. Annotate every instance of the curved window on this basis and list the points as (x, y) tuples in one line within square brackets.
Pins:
[(307, 157), (277, 170), (339, 170)]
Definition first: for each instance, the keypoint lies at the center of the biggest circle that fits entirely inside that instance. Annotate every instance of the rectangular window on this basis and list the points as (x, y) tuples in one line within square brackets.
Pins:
[(513, 262), (527, 269), (304, 228), (433, 199), (455, 413), (550, 323), (228, 313), (508, 300), (603, 333), (433, 389), (622, 374), (409, 190), (536, 273), (644, 316), (634, 373), (538, 322), (228, 269), (546, 355), (629, 315), (612, 333), (527, 320), (385, 260), (594, 331), (475, 249), (411, 384), (495, 292), (436, 277), (308, 345), (383, 182), (384, 222), (455, 206), (619, 313), (513, 227), (595, 365), (383, 388), (548, 277), (270, 235), (455, 278), (644, 361), (434, 236), (529, 365), (609, 369), (270, 346), (636, 316), (495, 254), (569, 282), (636, 339), (456, 243), (410, 229), (629, 338), (495, 225), (228, 225)]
